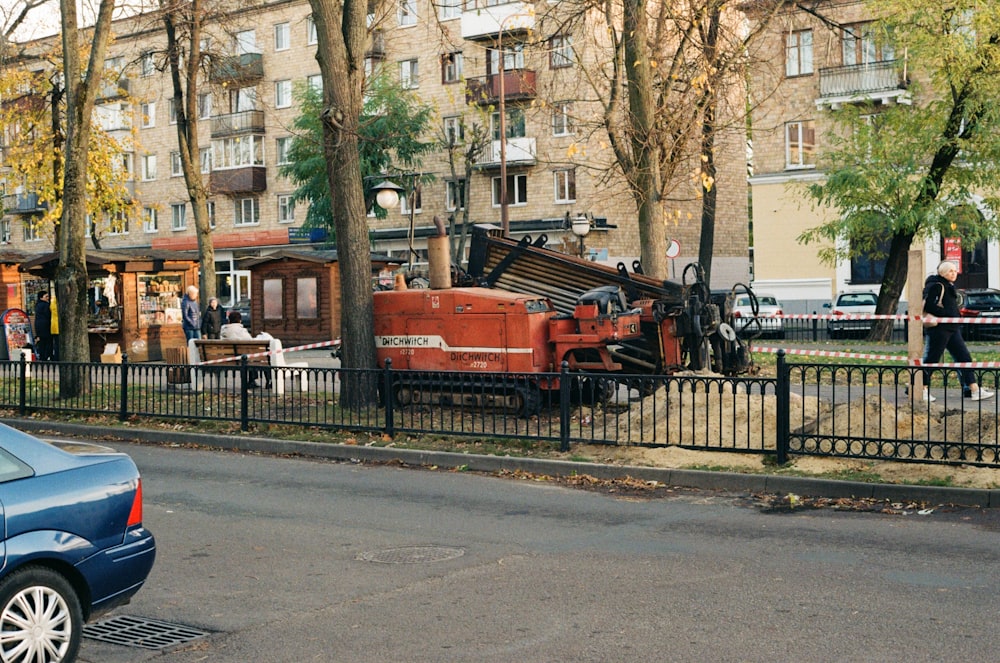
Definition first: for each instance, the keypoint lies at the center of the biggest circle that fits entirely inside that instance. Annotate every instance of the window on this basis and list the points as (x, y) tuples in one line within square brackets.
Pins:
[(799, 53), (247, 212), (455, 195), (176, 167), (517, 190), (124, 165), (409, 75), (178, 216), (31, 233), (407, 12), (451, 67), (282, 37), (274, 305), (4, 231), (149, 219), (243, 99), (210, 205), (146, 64), (117, 224), (148, 112), (561, 53), (513, 58), (454, 130), (282, 94), (205, 159), (148, 167), (238, 152), (286, 208), (800, 144), (245, 42), (449, 9), (415, 196), (305, 298), (315, 82), (311, 36), (562, 124), (565, 183), (869, 266), (859, 46), (283, 147), (113, 70), (515, 124), (204, 105), (172, 111)]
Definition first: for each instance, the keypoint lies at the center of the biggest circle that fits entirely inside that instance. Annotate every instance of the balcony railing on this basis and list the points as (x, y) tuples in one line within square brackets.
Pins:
[(233, 124), (248, 179), (23, 203), (853, 83), (244, 67), (518, 85), (484, 19), (520, 152)]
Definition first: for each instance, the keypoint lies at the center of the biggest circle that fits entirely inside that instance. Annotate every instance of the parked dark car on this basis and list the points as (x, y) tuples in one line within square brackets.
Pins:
[(981, 303), (73, 544)]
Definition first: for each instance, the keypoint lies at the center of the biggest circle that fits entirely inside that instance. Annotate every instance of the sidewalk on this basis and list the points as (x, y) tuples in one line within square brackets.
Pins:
[(731, 482)]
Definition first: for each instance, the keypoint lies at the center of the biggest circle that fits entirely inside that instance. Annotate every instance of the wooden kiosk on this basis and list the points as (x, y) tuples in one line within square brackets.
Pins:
[(135, 299)]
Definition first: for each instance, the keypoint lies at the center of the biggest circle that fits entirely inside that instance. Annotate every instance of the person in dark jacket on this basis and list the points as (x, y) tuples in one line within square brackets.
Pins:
[(43, 327), (191, 314), (941, 301), (211, 319)]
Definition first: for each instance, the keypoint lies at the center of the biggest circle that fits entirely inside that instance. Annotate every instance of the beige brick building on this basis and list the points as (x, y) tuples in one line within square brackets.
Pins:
[(559, 165)]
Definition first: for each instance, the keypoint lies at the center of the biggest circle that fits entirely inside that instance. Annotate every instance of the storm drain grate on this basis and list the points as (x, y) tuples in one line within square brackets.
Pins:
[(141, 633), (411, 555)]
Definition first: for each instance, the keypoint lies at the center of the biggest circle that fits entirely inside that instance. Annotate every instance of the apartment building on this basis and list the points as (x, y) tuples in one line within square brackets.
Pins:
[(823, 57), (469, 59)]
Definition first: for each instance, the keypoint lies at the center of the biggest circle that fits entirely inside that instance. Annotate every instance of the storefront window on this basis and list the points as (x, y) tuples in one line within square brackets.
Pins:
[(160, 299), (305, 298), (273, 299)]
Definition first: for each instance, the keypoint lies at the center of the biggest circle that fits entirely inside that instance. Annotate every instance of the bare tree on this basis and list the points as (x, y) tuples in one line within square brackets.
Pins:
[(463, 152), (71, 273)]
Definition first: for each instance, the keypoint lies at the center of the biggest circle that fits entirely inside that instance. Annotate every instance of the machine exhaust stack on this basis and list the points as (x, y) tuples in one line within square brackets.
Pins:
[(439, 257)]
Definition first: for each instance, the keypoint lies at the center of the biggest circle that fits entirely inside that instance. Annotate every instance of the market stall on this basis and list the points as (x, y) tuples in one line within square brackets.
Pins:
[(134, 299)]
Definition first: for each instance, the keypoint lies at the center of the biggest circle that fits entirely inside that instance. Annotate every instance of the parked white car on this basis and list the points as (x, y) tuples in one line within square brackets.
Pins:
[(851, 303), (766, 321)]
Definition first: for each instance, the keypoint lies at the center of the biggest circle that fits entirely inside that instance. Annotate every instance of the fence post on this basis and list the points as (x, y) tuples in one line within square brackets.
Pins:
[(783, 402), (244, 394), (123, 409), (23, 386), (815, 322), (389, 399), (564, 394)]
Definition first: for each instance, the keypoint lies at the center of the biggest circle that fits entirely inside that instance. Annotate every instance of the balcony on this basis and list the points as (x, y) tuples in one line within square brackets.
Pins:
[(23, 203), (117, 90), (234, 124), (520, 152), (248, 179), (237, 68), (880, 82), (518, 85), (482, 20)]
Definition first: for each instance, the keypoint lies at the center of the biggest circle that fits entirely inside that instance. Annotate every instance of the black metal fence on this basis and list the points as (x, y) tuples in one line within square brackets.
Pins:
[(844, 410)]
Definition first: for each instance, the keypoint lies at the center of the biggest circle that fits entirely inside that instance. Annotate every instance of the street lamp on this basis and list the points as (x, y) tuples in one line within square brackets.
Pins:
[(387, 194), (581, 228), (504, 215)]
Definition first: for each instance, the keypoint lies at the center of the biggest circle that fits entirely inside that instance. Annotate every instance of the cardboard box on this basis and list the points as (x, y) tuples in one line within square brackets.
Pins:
[(112, 354)]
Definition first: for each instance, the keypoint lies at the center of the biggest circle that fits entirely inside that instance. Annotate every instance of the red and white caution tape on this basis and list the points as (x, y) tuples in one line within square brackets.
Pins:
[(987, 320), (875, 357), (255, 355)]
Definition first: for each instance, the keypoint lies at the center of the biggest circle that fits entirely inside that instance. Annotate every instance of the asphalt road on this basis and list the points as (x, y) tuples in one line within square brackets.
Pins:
[(284, 559)]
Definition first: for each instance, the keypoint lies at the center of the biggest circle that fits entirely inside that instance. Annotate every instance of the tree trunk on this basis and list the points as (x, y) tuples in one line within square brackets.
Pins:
[(342, 39), (709, 192), (893, 281)]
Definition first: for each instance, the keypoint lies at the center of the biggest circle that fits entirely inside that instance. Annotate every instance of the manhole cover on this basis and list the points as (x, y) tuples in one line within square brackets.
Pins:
[(411, 555), (141, 633)]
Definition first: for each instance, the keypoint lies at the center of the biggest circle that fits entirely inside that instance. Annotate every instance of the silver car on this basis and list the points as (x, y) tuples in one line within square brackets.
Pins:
[(767, 320), (851, 303)]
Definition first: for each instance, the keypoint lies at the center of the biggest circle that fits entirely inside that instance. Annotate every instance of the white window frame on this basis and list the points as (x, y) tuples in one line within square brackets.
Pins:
[(562, 119), (31, 233), (562, 54), (146, 65), (147, 110), (453, 128), (517, 190), (282, 36), (564, 182), (237, 152), (798, 154), (315, 81), (449, 9), (210, 206), (247, 212), (286, 208), (172, 111), (418, 205), (451, 194), (282, 148), (4, 231), (150, 220), (312, 37), (451, 67), (245, 42), (176, 167), (799, 53), (148, 167), (205, 159), (178, 217), (409, 74), (407, 13), (283, 93), (204, 105)]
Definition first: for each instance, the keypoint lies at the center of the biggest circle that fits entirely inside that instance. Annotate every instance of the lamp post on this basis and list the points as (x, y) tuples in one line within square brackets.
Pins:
[(581, 228), (504, 214), (387, 197)]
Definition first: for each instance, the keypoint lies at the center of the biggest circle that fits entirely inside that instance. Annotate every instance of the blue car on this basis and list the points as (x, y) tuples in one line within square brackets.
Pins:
[(73, 545)]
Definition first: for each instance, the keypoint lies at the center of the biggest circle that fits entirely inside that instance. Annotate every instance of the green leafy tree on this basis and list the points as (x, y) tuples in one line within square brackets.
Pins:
[(899, 172), (391, 125)]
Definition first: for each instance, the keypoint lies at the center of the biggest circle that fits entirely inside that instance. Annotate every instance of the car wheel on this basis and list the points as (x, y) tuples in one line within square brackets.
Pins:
[(40, 617)]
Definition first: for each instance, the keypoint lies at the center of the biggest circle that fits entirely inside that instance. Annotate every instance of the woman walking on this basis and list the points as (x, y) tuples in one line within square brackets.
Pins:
[(211, 319)]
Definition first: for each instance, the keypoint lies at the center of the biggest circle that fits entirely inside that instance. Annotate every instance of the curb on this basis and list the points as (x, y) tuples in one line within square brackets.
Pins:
[(700, 479)]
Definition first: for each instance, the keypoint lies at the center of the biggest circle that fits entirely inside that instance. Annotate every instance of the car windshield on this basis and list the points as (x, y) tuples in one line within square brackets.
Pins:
[(857, 299), (761, 301), (983, 299)]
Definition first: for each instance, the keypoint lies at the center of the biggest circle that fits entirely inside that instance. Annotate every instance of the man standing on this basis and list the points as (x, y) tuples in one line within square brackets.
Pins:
[(191, 313), (43, 328)]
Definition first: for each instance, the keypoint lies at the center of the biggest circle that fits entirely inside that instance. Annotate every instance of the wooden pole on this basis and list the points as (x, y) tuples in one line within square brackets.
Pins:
[(915, 336)]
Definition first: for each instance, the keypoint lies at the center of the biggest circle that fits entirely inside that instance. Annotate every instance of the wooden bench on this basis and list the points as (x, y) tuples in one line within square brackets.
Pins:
[(202, 350)]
